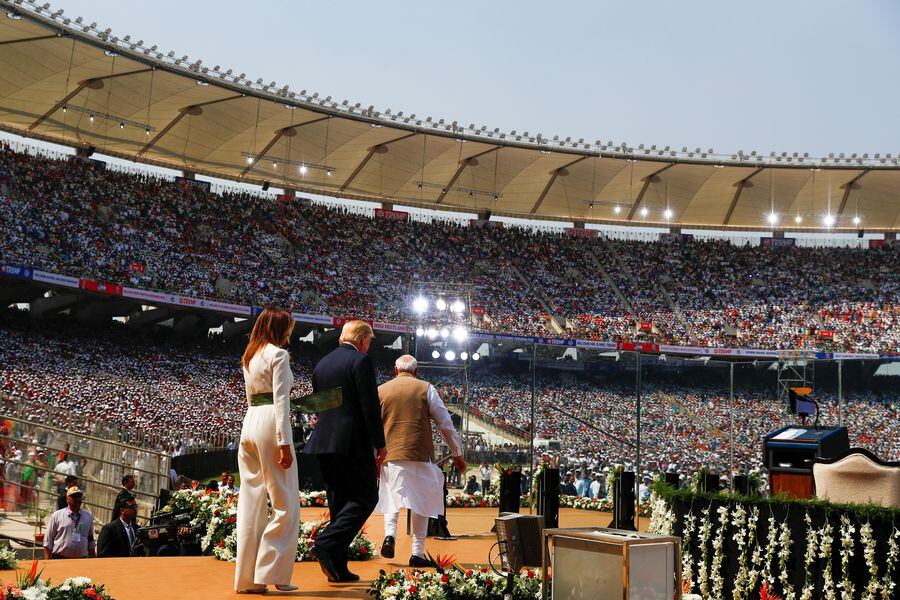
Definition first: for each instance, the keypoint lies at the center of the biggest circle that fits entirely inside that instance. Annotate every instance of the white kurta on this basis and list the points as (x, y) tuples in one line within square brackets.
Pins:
[(266, 549), (415, 485)]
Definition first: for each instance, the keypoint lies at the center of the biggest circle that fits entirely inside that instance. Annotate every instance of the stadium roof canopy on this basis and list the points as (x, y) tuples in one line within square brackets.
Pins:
[(68, 82)]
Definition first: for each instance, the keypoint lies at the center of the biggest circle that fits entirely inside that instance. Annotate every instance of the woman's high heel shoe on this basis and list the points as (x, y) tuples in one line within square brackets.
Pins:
[(286, 588)]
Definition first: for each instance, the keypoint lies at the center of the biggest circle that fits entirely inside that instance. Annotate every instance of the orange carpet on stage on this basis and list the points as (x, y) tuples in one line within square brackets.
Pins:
[(205, 577)]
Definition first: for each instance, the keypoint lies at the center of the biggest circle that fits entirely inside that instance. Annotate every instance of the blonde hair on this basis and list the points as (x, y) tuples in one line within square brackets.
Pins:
[(355, 331)]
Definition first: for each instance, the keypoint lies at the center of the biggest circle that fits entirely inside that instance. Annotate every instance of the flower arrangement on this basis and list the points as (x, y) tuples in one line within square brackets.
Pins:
[(218, 513), (455, 583), (8, 558), (30, 586)]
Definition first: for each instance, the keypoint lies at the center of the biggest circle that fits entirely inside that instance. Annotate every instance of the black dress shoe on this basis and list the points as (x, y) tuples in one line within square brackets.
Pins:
[(347, 576), (326, 564), (419, 563), (387, 548)]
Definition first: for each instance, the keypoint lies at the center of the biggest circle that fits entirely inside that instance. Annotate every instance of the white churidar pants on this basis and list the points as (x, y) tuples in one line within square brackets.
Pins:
[(416, 486), (266, 550), (419, 530)]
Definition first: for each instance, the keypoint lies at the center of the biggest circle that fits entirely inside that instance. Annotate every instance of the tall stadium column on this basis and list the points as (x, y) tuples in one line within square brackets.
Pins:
[(637, 465), (531, 466)]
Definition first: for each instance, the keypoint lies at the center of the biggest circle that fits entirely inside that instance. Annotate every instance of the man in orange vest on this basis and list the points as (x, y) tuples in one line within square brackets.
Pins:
[(409, 477)]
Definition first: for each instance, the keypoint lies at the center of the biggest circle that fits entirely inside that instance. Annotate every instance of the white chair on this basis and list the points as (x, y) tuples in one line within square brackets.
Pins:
[(857, 476)]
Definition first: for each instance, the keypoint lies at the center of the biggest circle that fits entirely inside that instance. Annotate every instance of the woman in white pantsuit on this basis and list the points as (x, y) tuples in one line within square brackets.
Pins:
[(266, 550)]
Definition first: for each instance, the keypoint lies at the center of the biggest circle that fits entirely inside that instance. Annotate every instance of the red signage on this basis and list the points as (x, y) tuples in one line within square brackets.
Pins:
[(137, 267), (477, 310), (284, 197), (645, 326), (391, 215), (341, 321), (826, 334), (581, 232), (99, 287)]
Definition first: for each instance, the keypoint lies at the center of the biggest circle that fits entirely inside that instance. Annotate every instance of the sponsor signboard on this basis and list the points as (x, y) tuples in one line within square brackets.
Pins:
[(15, 271), (778, 242), (391, 215), (581, 232), (203, 185), (56, 279)]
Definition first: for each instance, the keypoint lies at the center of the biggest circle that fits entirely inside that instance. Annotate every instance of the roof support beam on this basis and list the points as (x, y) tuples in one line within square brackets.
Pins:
[(77, 90), (647, 181), (553, 175), (740, 185), (278, 135), (193, 109), (848, 187), (376, 149), (31, 39), (462, 165)]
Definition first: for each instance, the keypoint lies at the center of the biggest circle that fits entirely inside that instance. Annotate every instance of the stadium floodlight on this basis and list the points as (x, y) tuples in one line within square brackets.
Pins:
[(450, 355), (435, 354), (303, 169), (668, 214), (856, 220), (828, 220), (432, 333), (460, 334), (420, 304), (798, 219), (617, 209), (772, 218), (464, 356), (475, 356), (445, 333), (644, 212), (458, 306), (441, 304), (420, 332)]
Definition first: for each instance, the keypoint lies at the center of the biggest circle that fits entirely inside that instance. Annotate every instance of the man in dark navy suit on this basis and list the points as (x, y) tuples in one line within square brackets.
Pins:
[(348, 442)]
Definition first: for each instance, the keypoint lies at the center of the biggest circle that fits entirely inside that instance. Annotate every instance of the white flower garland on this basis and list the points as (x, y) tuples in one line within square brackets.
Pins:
[(868, 543), (705, 533), (719, 553), (741, 538), (812, 544), (826, 540), (771, 547), (784, 556), (888, 584), (662, 518), (847, 531), (687, 563)]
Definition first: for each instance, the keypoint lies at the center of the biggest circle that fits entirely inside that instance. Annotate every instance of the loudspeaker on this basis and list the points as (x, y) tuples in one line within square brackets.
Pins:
[(548, 497), (673, 480), (520, 541), (487, 215), (265, 186), (510, 491), (710, 483), (742, 485), (623, 502), (860, 233)]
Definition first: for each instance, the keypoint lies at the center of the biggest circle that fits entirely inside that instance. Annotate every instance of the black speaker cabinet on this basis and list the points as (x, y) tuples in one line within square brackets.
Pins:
[(673, 480), (510, 491), (548, 498), (742, 485), (710, 483), (623, 502)]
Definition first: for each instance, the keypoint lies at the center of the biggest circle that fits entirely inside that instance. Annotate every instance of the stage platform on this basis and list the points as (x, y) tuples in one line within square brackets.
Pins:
[(207, 578)]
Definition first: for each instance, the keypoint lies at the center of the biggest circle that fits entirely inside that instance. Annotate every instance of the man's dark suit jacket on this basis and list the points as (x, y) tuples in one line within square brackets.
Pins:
[(353, 429), (113, 541)]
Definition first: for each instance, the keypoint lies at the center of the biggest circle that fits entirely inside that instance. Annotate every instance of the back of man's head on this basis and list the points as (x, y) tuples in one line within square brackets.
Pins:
[(406, 364)]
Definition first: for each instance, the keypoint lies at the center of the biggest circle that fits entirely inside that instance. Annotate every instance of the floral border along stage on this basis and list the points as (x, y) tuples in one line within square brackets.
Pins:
[(449, 581), (218, 513), (477, 500), (30, 586)]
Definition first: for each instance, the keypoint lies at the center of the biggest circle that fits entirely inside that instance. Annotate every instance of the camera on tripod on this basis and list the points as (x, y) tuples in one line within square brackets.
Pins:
[(165, 535)]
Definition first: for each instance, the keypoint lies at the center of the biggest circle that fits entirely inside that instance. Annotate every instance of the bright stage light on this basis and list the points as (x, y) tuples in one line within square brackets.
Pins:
[(431, 333), (457, 306), (798, 219), (441, 304), (464, 356), (475, 356), (303, 169), (450, 355), (460, 334), (617, 209), (420, 305), (828, 220), (772, 218), (668, 214), (856, 220), (643, 212), (435, 354), (445, 332), (420, 332)]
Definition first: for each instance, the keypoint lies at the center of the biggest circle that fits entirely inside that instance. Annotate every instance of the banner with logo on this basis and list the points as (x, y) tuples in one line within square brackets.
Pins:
[(149, 296), (203, 185), (581, 232), (55, 279), (768, 242), (391, 215), (15, 271), (100, 287)]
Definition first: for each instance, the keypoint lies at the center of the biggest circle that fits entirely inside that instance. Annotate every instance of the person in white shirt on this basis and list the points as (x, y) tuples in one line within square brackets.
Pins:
[(409, 477), (485, 478), (596, 487), (266, 550)]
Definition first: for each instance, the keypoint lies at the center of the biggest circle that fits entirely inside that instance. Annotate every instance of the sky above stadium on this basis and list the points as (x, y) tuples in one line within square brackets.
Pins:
[(800, 76)]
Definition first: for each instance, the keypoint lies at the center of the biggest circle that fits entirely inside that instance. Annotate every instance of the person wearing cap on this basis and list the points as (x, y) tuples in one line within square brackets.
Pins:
[(70, 532), (61, 502)]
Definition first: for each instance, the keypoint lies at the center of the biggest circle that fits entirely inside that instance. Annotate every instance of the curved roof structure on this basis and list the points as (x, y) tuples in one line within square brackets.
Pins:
[(67, 82)]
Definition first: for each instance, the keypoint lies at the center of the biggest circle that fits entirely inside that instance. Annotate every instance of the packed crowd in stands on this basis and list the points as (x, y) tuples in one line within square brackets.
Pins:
[(187, 391), (77, 218)]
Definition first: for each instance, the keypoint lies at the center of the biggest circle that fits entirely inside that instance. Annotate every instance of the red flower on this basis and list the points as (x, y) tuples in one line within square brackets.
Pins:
[(469, 573), (391, 582), (489, 583), (221, 544), (765, 594), (320, 502), (530, 574), (484, 569), (363, 549), (412, 589), (90, 592), (444, 579), (216, 512)]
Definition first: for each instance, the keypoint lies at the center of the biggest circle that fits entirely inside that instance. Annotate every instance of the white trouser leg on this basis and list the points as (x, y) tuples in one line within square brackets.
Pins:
[(420, 531), (266, 552), (390, 524)]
